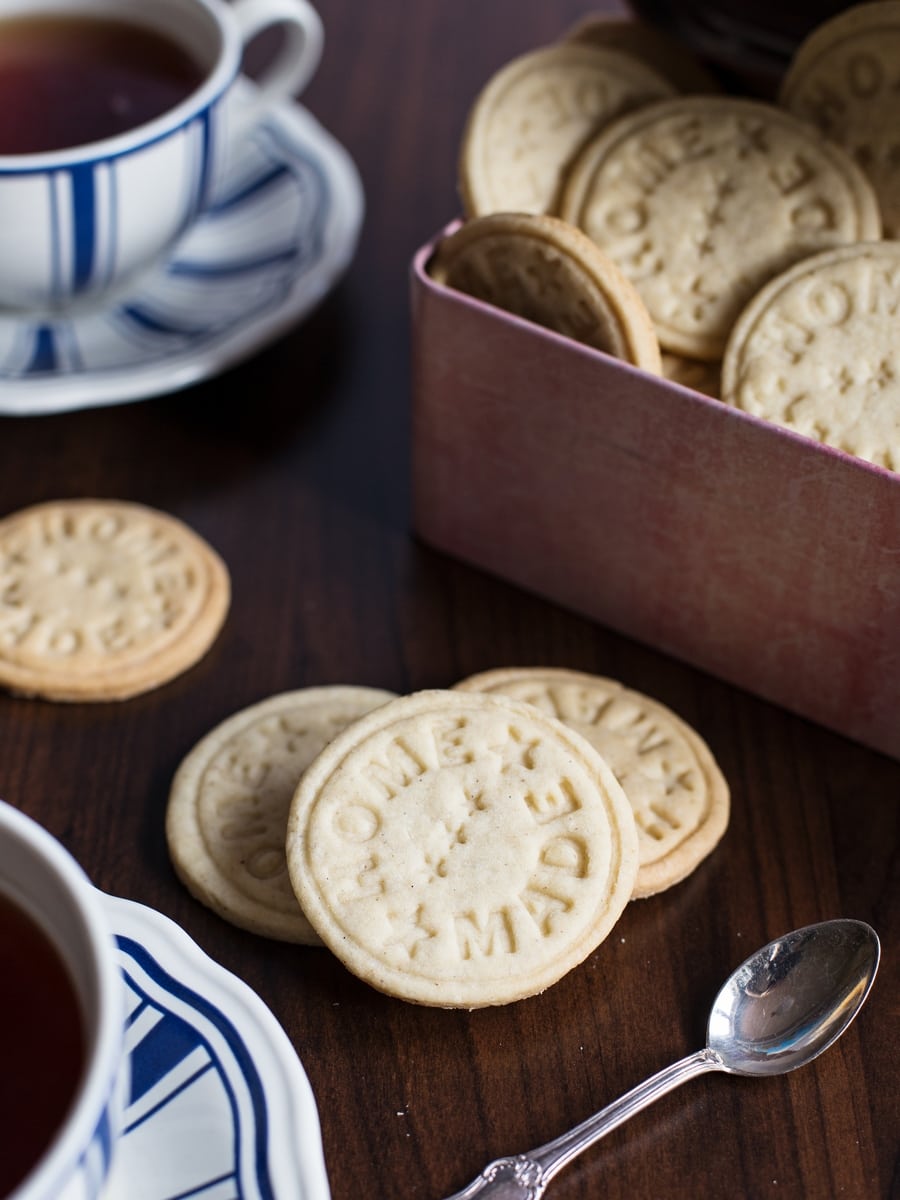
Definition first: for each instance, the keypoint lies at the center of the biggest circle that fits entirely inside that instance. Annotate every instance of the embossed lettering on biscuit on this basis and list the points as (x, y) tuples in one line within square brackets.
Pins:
[(499, 849), (816, 351), (845, 79), (677, 793), (701, 200), (102, 600), (229, 802)]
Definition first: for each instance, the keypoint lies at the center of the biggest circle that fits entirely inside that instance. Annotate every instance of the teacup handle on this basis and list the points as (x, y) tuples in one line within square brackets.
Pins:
[(297, 59)]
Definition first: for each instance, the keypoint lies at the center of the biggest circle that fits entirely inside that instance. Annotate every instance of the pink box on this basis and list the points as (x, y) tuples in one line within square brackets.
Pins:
[(751, 552)]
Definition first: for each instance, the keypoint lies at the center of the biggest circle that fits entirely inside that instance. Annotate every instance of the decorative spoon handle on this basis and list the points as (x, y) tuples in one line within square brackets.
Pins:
[(525, 1176)]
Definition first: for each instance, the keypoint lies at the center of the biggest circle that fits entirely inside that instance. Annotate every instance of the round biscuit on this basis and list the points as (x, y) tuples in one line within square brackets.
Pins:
[(533, 116), (104, 599), (843, 79), (702, 199), (816, 351), (546, 271), (677, 792), (229, 801), (461, 850)]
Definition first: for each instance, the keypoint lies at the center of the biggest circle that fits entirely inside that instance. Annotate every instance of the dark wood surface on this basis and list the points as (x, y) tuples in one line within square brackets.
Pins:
[(295, 466)]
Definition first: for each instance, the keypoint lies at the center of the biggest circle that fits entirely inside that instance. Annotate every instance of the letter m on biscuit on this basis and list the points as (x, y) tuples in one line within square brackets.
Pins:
[(475, 939)]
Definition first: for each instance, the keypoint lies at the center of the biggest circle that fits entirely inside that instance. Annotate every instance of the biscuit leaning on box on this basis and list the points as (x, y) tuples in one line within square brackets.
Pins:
[(546, 271), (104, 599)]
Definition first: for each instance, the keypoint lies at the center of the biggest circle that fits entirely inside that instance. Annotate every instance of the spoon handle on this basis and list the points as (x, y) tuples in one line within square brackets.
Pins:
[(525, 1176), (553, 1156)]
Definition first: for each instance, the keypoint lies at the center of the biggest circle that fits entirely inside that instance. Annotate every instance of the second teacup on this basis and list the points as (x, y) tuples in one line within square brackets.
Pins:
[(64, 1073)]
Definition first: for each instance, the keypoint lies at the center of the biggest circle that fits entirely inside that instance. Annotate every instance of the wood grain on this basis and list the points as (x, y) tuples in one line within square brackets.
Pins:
[(296, 467)]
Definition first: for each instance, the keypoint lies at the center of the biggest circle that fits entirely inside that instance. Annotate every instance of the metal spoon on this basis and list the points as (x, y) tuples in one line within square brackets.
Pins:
[(780, 1009)]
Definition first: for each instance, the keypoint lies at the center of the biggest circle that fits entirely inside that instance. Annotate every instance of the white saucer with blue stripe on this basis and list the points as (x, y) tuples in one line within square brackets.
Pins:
[(281, 230), (219, 1106)]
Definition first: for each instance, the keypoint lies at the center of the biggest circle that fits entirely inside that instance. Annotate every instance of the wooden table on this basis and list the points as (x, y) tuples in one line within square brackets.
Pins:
[(295, 466)]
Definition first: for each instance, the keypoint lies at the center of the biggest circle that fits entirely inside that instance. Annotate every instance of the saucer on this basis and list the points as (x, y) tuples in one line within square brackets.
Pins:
[(281, 229), (220, 1107)]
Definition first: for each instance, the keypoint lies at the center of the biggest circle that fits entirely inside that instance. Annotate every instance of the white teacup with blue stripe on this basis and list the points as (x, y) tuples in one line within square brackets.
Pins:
[(77, 224), (42, 879)]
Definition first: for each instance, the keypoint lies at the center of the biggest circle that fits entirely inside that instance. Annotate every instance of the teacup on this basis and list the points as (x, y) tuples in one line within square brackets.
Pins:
[(78, 222), (62, 1013)]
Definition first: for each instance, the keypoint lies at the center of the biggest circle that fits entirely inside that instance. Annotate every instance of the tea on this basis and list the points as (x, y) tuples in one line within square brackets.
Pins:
[(42, 1049), (70, 80)]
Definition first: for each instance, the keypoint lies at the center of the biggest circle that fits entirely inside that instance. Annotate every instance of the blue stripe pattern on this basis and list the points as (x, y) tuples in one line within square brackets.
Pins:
[(44, 355), (172, 1040), (213, 270), (206, 149), (152, 323), (240, 197), (267, 228), (84, 225), (165, 1046)]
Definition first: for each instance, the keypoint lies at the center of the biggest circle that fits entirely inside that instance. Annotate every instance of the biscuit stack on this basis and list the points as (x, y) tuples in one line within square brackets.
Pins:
[(458, 848), (612, 194)]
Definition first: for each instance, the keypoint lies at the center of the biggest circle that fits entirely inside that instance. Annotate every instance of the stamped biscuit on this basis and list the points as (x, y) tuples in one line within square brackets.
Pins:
[(817, 352), (667, 56), (535, 114), (546, 271), (844, 80), (678, 794), (103, 599), (461, 850), (703, 199), (229, 802)]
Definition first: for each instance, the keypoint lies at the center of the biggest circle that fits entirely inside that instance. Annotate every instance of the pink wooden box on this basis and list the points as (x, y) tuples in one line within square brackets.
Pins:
[(753, 553)]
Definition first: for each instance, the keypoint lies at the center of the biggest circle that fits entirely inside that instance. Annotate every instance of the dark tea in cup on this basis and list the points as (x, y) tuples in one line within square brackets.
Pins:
[(68, 80), (42, 1042)]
